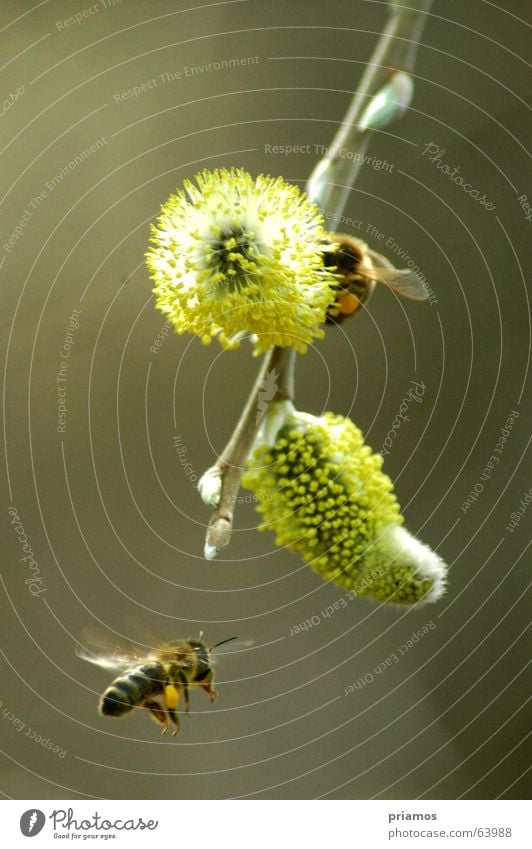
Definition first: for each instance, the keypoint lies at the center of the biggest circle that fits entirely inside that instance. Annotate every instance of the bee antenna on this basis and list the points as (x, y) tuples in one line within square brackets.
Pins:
[(229, 640)]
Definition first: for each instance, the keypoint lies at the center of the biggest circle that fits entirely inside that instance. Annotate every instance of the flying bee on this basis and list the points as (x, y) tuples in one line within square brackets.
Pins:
[(157, 681), (359, 269)]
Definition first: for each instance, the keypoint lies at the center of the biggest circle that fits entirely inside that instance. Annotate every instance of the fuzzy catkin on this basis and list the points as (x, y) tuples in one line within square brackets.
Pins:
[(232, 255), (322, 492)]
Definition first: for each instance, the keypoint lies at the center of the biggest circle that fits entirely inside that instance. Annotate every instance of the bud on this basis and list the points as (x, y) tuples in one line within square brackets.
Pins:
[(210, 486)]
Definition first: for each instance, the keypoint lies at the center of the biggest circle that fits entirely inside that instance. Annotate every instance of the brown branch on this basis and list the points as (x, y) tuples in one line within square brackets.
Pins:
[(230, 465)]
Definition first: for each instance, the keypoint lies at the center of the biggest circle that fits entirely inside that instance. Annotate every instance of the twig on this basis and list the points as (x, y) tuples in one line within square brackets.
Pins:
[(383, 94), (223, 479)]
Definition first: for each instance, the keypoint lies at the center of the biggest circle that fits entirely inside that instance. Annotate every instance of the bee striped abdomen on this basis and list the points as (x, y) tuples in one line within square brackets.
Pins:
[(132, 689)]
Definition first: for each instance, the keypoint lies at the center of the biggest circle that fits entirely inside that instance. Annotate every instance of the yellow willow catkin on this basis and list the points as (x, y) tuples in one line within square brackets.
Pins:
[(322, 492), (232, 255)]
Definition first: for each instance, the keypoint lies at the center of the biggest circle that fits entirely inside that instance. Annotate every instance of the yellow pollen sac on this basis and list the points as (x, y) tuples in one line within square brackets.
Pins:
[(171, 697), (348, 304)]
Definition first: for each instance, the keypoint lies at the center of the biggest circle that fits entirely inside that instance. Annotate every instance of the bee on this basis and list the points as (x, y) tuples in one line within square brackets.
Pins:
[(157, 681), (359, 269)]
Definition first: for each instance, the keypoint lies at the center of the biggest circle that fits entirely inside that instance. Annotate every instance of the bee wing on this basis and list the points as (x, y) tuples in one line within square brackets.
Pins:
[(401, 280), (109, 652), (404, 282), (109, 662)]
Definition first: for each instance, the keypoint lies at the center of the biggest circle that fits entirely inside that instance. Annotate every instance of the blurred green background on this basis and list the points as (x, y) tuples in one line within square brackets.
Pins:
[(110, 510)]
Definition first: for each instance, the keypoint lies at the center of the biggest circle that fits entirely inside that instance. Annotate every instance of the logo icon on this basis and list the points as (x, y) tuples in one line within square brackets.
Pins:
[(267, 393), (32, 822)]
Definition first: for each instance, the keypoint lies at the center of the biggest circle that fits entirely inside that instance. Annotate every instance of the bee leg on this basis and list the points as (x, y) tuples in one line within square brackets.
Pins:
[(207, 685), (174, 716), (185, 691), (171, 700), (158, 713)]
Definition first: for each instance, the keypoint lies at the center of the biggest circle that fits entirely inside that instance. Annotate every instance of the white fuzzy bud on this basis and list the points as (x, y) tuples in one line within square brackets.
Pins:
[(210, 486), (389, 103)]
